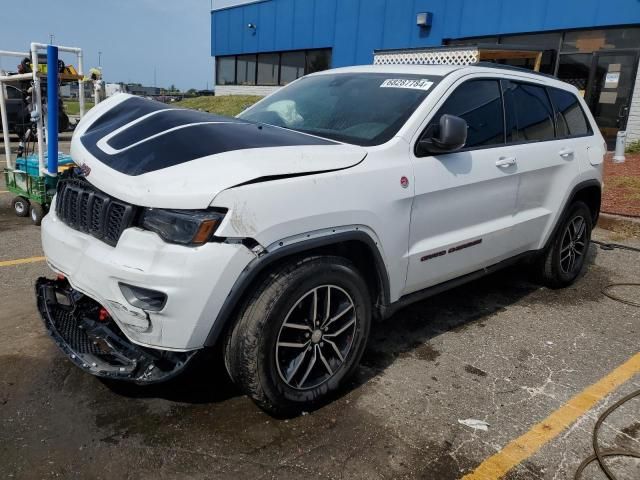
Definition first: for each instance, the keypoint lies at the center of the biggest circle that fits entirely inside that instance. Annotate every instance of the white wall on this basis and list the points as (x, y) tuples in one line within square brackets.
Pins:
[(633, 125)]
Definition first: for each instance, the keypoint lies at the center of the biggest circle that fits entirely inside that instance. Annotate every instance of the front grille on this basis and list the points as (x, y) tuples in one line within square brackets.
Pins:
[(86, 209), (76, 338)]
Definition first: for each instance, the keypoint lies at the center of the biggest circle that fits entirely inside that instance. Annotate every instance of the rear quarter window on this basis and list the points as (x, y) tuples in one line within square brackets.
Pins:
[(571, 120)]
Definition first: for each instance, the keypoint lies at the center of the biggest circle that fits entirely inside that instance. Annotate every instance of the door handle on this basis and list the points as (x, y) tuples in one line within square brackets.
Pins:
[(505, 162), (566, 152)]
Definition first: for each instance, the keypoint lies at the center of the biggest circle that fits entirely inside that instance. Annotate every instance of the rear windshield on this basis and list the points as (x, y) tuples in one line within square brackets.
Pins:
[(358, 108)]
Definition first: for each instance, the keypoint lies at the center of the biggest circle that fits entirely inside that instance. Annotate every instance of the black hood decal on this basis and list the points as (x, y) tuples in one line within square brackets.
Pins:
[(138, 136)]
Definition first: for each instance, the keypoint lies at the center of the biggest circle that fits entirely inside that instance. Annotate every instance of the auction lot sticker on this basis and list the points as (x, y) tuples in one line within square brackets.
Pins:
[(421, 84)]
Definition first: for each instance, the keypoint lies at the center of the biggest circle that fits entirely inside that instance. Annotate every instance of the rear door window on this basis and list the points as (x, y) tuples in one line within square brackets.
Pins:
[(570, 118), (529, 115), (479, 103)]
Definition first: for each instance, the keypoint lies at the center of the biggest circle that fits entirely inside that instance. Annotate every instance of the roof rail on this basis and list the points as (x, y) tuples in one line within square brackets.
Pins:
[(511, 67)]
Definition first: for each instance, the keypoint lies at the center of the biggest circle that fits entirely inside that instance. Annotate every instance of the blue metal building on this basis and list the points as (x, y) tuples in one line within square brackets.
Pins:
[(261, 44)]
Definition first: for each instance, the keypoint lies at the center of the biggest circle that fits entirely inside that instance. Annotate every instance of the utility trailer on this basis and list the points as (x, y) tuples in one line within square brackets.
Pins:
[(33, 178)]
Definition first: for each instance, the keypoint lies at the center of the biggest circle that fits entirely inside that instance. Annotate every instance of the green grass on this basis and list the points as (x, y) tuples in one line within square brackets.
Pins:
[(72, 107), (625, 181), (630, 186), (633, 147), (229, 105)]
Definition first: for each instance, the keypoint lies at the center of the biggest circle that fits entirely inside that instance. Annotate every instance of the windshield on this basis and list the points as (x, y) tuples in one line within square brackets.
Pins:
[(359, 108)]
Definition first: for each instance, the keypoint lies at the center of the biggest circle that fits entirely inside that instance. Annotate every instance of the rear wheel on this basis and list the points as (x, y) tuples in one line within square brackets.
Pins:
[(20, 206), (37, 212), (563, 261), (301, 335)]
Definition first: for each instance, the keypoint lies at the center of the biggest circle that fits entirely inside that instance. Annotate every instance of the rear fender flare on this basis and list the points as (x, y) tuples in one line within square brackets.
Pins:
[(575, 191)]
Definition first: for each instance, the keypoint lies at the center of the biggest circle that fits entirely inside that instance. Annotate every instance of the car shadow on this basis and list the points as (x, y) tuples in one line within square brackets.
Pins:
[(410, 330), (406, 333), (204, 381)]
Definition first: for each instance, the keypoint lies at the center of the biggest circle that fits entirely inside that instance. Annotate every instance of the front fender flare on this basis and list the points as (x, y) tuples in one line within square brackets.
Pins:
[(261, 263)]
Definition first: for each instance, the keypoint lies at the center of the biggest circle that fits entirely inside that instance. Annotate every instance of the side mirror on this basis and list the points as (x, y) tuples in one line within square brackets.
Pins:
[(452, 137)]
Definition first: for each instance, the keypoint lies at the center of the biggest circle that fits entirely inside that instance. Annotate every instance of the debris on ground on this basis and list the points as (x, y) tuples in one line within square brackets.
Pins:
[(475, 424)]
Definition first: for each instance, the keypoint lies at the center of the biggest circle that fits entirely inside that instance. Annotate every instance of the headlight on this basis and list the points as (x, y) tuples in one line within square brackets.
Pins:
[(187, 227)]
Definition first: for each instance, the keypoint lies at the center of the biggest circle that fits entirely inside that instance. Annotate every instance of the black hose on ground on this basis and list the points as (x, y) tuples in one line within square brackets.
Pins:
[(607, 290), (613, 246), (600, 454)]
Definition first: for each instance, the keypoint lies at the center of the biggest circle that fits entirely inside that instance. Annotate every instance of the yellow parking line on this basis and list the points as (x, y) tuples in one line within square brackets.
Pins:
[(529, 443), (20, 261)]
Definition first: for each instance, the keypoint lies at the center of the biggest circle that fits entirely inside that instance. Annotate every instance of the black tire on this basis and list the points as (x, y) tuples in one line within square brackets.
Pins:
[(36, 213), (554, 268), (20, 206), (255, 348)]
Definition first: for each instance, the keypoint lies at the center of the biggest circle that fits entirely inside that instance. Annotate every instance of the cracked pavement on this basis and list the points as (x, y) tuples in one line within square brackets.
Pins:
[(502, 350)]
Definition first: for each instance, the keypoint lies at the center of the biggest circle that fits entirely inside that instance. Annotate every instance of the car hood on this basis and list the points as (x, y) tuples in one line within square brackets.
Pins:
[(153, 155)]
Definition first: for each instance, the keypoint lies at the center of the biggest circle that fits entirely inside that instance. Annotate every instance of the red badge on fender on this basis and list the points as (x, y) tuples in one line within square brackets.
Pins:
[(404, 182)]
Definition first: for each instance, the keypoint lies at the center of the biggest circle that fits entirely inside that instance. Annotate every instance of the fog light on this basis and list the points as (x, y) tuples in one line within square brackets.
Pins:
[(143, 298)]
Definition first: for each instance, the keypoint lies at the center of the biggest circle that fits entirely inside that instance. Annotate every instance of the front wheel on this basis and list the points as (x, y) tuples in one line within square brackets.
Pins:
[(564, 259), (301, 335)]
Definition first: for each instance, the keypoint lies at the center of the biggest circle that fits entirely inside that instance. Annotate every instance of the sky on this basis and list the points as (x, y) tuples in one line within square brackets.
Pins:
[(135, 37)]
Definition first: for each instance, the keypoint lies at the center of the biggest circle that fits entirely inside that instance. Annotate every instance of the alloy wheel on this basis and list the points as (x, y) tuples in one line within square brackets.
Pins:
[(316, 337), (573, 245)]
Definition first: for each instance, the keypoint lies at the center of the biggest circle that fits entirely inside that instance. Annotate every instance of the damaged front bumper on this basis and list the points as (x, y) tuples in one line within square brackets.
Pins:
[(93, 341)]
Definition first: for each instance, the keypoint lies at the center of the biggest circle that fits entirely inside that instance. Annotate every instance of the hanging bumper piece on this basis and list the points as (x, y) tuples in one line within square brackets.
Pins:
[(91, 339)]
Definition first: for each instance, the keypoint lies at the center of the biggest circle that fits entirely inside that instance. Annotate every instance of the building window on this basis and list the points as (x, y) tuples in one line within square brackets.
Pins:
[(318, 60), (270, 69), (226, 70), (594, 40), (574, 69), (246, 70), (292, 66), (463, 42), (557, 45), (547, 42)]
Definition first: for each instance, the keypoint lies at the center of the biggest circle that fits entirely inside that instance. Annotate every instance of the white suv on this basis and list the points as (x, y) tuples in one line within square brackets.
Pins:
[(281, 234)]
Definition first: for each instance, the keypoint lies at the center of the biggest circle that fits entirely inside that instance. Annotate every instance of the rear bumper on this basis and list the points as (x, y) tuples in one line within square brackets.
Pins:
[(99, 347)]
